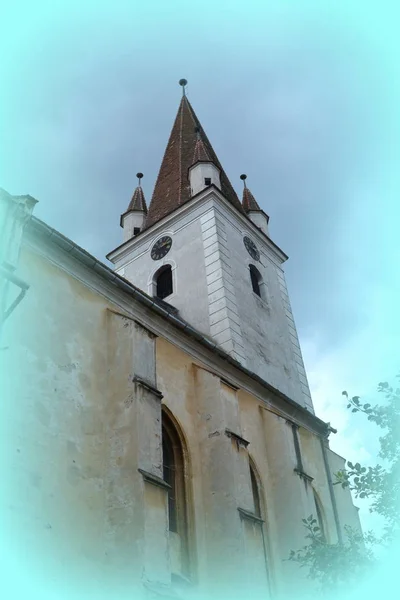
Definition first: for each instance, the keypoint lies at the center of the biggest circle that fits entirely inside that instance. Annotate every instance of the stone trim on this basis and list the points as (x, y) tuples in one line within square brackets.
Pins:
[(154, 479), (249, 516), (149, 332), (228, 383), (237, 438), (148, 387), (303, 475)]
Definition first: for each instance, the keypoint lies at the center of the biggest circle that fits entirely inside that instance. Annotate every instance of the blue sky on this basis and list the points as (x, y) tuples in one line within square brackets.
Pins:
[(301, 96)]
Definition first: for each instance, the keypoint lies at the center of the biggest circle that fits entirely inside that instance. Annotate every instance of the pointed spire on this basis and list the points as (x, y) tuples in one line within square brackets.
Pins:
[(138, 201), (249, 203), (200, 152), (172, 187)]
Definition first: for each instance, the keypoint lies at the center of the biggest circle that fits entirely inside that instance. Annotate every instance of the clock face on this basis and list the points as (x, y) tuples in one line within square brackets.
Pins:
[(161, 248), (251, 248)]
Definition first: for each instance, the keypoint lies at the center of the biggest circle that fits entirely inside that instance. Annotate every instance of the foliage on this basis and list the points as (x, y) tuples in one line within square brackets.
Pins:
[(337, 565), (380, 483), (334, 566)]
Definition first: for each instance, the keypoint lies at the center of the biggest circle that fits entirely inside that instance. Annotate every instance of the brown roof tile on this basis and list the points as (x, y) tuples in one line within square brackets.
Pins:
[(138, 201), (172, 187), (200, 152), (249, 202)]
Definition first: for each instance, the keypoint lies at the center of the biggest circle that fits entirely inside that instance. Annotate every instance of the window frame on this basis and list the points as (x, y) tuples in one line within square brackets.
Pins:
[(179, 492), (166, 268), (256, 281), (320, 516)]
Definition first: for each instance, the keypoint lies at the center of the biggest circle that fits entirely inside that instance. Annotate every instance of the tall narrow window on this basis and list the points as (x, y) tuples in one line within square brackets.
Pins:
[(169, 469), (256, 494), (320, 519), (255, 277), (163, 282), (174, 475)]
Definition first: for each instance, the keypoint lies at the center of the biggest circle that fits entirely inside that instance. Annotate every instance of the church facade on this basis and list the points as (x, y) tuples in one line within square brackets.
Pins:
[(161, 432)]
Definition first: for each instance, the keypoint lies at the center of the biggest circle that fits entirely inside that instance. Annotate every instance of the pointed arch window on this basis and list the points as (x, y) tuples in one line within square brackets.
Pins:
[(174, 475), (256, 493), (163, 282), (256, 280), (320, 518)]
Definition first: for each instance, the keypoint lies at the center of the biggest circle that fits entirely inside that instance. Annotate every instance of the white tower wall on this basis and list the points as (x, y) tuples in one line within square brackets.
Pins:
[(199, 172), (129, 221), (213, 291), (259, 219)]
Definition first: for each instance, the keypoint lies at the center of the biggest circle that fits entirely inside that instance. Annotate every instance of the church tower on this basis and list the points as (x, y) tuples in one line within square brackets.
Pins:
[(209, 256)]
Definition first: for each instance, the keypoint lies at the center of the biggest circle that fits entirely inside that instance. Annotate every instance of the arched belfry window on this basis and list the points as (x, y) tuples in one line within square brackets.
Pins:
[(256, 280), (320, 517), (163, 282), (174, 475)]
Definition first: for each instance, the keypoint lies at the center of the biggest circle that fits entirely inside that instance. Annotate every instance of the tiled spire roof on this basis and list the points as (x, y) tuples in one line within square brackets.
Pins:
[(138, 201), (248, 201), (200, 152), (172, 187)]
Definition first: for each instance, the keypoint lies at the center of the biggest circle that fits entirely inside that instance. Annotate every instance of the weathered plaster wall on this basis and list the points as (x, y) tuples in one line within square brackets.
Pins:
[(77, 429), (54, 376), (82, 435), (347, 511), (218, 474)]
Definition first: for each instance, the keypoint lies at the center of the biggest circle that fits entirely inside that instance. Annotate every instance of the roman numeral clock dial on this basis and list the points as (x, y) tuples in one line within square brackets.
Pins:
[(161, 248)]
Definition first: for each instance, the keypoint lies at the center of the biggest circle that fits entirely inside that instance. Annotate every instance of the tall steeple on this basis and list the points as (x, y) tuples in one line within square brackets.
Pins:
[(209, 256), (173, 187), (252, 208), (132, 220)]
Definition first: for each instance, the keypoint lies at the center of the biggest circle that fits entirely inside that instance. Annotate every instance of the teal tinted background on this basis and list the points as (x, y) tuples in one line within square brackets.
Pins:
[(302, 96)]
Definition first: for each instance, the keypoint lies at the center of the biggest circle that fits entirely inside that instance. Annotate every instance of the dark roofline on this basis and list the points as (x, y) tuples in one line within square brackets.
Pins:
[(38, 227)]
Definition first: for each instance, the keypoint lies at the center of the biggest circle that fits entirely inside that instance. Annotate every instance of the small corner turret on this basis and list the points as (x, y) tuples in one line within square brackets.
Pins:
[(132, 221), (203, 172), (252, 209)]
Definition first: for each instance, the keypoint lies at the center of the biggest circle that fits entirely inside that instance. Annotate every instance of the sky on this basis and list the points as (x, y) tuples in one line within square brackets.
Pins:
[(301, 96)]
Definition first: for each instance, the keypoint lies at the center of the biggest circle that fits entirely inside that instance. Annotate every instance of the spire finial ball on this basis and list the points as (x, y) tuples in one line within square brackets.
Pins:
[(243, 177), (139, 176), (183, 83)]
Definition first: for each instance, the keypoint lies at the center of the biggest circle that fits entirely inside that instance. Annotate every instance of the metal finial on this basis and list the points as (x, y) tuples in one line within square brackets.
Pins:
[(183, 83), (139, 176), (243, 178)]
